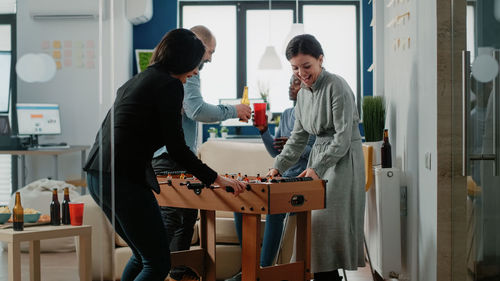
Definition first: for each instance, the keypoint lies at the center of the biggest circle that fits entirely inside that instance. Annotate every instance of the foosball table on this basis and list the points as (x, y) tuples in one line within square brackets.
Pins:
[(276, 196)]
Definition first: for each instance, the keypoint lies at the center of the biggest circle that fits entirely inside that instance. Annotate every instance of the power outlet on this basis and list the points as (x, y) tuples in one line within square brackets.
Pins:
[(428, 160)]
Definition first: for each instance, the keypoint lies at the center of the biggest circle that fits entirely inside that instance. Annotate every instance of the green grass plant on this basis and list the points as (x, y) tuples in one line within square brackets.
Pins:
[(373, 118)]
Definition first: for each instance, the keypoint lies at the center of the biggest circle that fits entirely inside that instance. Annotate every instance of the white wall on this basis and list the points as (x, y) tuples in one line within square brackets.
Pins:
[(76, 89), (407, 79)]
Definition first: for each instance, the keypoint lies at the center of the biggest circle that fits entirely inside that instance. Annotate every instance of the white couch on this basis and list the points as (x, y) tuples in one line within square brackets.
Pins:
[(109, 260)]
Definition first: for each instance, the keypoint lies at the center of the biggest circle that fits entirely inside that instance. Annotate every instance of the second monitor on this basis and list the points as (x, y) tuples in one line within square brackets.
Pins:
[(36, 119)]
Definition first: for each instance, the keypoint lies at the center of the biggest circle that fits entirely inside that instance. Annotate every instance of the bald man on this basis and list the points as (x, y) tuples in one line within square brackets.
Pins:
[(179, 222)]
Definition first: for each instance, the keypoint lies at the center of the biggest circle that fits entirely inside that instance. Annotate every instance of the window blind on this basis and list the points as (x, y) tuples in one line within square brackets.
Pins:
[(5, 178)]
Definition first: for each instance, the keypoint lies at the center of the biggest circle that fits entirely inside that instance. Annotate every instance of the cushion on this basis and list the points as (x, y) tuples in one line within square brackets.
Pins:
[(119, 242), (252, 158)]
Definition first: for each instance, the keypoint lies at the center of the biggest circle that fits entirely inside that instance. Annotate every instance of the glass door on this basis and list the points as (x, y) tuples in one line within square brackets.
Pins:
[(481, 138)]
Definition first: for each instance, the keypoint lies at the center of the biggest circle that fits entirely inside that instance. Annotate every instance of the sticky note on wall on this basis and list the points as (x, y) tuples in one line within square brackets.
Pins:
[(56, 54), (56, 44)]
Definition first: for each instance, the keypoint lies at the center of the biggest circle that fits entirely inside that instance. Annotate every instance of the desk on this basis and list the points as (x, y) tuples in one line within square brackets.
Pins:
[(36, 233), (54, 152)]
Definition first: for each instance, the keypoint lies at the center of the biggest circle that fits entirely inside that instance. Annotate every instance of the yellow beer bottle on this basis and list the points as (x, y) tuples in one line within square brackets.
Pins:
[(244, 99)]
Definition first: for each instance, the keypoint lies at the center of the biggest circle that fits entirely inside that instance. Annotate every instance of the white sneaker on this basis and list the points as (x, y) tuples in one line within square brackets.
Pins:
[(236, 277)]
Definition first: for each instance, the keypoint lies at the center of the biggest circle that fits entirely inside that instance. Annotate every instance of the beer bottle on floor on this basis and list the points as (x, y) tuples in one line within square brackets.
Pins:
[(65, 207), (18, 214), (55, 209), (386, 151)]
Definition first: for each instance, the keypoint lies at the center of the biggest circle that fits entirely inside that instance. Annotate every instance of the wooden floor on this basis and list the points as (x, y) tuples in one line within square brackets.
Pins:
[(64, 267)]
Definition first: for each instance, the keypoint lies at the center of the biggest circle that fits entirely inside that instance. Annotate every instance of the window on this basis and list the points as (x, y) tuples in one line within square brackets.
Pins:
[(219, 76), (244, 29), (336, 29), (263, 29), (471, 29)]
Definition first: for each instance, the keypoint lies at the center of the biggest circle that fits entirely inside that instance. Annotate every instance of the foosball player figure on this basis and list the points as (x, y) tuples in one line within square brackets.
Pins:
[(182, 176), (169, 176), (239, 177), (246, 178)]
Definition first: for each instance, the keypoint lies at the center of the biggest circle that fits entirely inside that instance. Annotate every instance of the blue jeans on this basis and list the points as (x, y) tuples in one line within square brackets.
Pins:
[(138, 222), (272, 236)]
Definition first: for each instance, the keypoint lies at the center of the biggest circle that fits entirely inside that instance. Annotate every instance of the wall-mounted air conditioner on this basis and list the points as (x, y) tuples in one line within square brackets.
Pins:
[(68, 9), (139, 11)]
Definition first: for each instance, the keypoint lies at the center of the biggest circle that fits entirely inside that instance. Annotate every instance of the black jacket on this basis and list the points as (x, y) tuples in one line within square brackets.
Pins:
[(147, 115)]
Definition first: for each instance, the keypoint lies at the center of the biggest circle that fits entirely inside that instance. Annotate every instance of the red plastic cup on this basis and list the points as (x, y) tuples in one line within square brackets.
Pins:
[(260, 113), (76, 213)]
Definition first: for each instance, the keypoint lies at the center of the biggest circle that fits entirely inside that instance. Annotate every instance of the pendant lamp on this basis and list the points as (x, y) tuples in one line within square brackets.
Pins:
[(296, 29), (270, 58)]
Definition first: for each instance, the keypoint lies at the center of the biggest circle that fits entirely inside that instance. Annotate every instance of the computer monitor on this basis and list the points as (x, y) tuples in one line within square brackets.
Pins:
[(38, 119), (5, 79)]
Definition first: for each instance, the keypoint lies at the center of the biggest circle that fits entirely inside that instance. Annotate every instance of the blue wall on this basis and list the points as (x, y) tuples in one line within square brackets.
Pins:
[(367, 50), (149, 34)]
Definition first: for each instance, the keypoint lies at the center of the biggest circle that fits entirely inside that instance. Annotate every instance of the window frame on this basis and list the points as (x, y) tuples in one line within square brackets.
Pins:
[(243, 6)]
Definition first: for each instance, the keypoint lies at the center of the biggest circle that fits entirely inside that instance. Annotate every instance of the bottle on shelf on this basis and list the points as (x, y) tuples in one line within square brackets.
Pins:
[(18, 214), (65, 207), (244, 99), (55, 209), (386, 151)]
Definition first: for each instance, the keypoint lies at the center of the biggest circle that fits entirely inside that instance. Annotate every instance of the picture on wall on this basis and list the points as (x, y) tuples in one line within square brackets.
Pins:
[(142, 58)]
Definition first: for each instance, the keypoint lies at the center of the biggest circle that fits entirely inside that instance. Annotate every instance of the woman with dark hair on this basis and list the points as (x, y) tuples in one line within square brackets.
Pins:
[(326, 108), (145, 116)]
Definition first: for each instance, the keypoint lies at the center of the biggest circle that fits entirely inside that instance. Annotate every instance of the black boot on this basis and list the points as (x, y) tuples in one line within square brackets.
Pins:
[(327, 276)]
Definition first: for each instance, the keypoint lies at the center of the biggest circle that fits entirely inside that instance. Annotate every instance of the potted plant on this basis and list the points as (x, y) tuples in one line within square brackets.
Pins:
[(223, 132), (264, 94), (373, 110), (213, 132)]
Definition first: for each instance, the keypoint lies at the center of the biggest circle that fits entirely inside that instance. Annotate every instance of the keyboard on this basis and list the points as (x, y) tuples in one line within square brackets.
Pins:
[(52, 144), (46, 147)]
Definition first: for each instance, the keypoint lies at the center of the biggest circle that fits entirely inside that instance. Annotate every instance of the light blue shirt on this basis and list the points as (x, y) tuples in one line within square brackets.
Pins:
[(285, 130), (197, 110)]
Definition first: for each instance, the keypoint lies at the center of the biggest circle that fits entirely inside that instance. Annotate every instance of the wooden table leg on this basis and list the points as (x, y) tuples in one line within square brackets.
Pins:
[(207, 242), (85, 256), (14, 261), (303, 242), (35, 260), (250, 248)]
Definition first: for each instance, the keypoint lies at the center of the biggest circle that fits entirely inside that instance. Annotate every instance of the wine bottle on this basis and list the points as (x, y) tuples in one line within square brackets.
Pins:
[(18, 214), (386, 151), (244, 99), (55, 209), (65, 207)]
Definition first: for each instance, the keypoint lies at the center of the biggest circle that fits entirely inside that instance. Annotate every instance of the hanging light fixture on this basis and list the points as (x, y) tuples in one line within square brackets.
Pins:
[(296, 29), (496, 10), (270, 58)]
